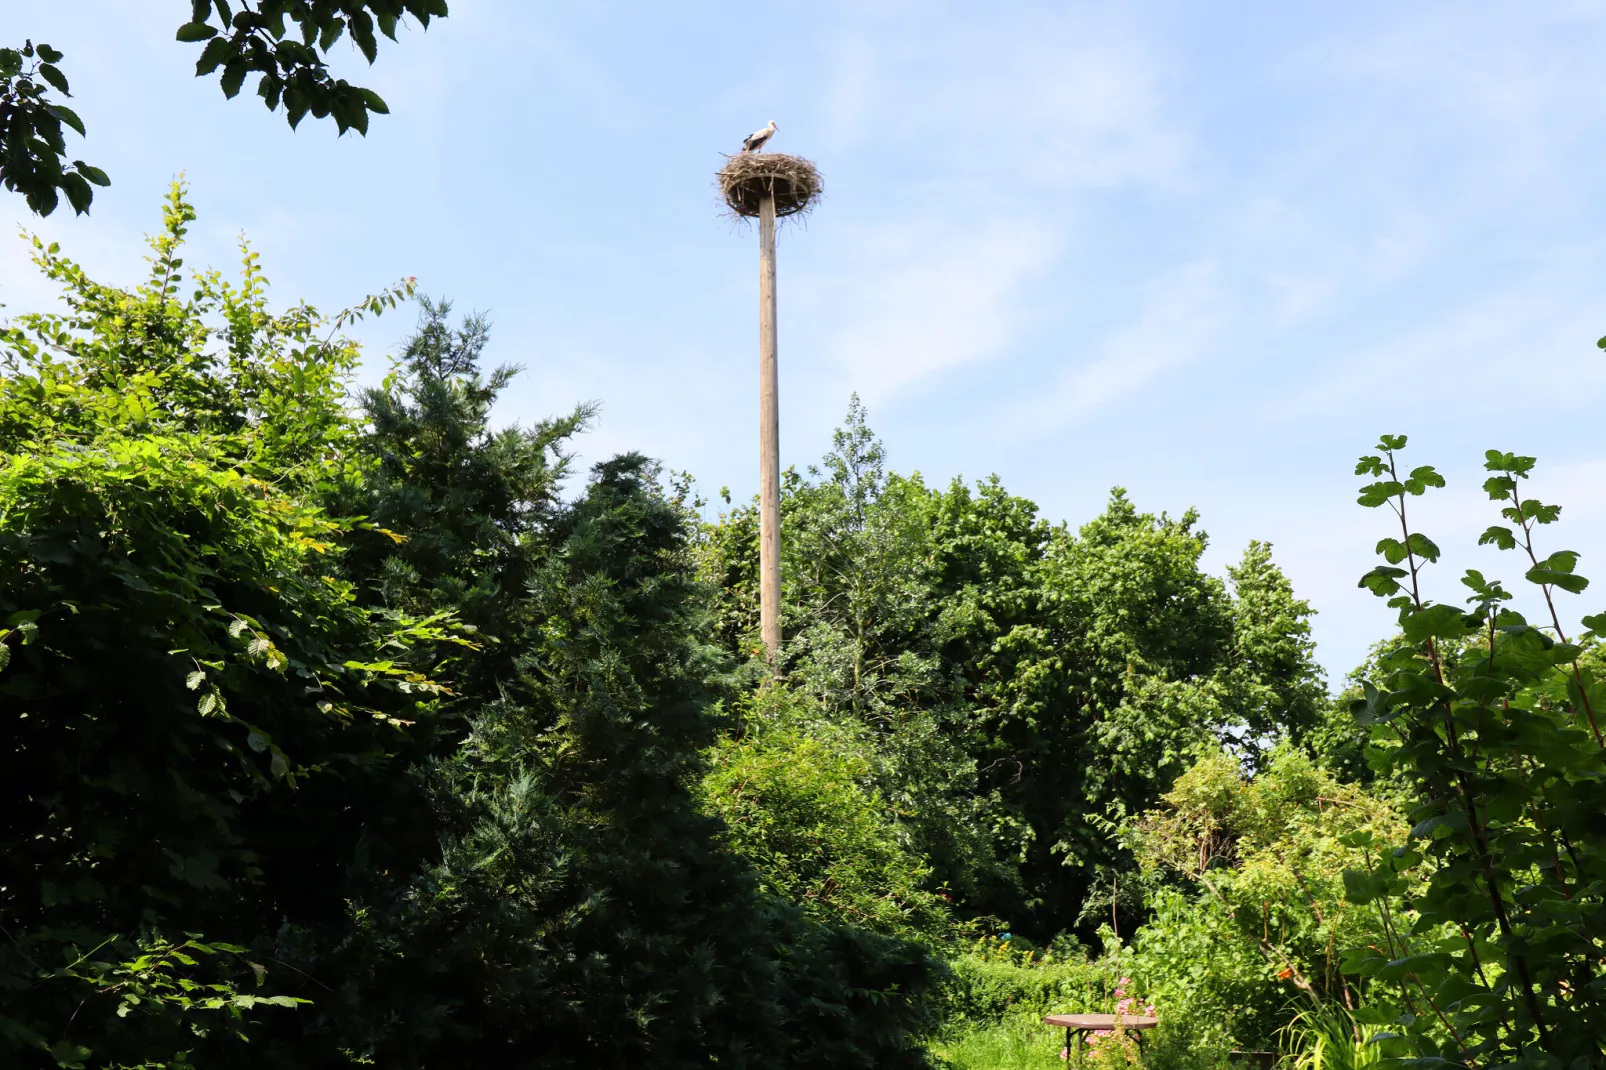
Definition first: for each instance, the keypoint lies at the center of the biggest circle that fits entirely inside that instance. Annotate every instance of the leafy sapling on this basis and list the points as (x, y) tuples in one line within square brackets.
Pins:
[(1493, 720)]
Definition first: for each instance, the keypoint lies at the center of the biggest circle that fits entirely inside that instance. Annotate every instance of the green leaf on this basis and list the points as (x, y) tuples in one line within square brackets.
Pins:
[(191, 32), (1371, 708), (1534, 509), (79, 195), (1382, 580), (1499, 488), (1441, 622), (1393, 550), (1376, 494), (1562, 561), (68, 116), (1565, 580), (1500, 536), (51, 74), (1361, 887), (212, 56), (362, 31), (374, 101), (1390, 443), (5, 655), (234, 73), (194, 679), (93, 174), (1422, 546), (1511, 463), (330, 33), (1421, 479)]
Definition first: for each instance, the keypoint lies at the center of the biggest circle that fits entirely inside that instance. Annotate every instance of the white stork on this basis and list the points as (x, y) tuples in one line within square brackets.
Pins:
[(756, 141)]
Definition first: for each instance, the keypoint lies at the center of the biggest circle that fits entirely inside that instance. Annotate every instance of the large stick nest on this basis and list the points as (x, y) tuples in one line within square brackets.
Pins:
[(748, 176)]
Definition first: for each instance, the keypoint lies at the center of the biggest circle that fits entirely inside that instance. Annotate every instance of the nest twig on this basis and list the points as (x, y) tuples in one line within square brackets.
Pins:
[(748, 176)]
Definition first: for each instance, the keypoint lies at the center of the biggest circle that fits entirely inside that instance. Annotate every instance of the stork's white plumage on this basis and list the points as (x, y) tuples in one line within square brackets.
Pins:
[(756, 141)]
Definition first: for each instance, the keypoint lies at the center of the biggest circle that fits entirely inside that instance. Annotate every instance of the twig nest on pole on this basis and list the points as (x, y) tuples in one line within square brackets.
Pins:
[(746, 177)]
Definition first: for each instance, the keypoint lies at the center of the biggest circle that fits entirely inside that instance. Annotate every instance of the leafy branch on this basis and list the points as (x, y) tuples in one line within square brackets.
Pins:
[(33, 148), (291, 67)]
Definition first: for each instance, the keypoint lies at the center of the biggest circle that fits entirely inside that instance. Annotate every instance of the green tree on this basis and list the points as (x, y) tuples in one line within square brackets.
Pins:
[(583, 909), (459, 510), (203, 719), (1275, 688), (1021, 687)]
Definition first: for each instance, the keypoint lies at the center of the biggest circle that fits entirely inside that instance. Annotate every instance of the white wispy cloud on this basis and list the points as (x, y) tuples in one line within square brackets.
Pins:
[(1183, 315), (926, 295), (986, 135)]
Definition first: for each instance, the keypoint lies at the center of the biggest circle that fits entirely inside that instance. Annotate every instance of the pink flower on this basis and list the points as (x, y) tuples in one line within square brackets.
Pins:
[(1126, 980), (1119, 992)]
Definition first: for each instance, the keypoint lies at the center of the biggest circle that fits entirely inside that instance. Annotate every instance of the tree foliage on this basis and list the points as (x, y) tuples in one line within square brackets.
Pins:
[(255, 37), (342, 740), (284, 43), (186, 679), (798, 797), (1260, 919), (1495, 723), (33, 148), (1023, 687)]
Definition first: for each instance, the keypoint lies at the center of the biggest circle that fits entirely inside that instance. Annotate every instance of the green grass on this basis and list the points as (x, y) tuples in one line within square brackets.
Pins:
[(1017, 1043)]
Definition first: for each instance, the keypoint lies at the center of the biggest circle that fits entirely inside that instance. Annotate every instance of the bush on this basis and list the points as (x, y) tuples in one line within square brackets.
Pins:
[(802, 808)]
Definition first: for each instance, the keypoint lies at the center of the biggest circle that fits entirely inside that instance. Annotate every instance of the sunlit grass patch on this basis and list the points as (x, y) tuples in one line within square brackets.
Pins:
[(1016, 1043)]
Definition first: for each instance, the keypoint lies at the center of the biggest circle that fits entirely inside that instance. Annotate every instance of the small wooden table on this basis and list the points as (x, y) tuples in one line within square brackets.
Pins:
[(1083, 1024)]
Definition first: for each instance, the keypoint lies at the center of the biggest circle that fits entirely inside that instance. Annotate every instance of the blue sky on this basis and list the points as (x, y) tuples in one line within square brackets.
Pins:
[(1206, 252)]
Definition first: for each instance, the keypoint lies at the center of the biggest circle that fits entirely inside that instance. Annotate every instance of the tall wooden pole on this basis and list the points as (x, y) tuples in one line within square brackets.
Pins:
[(769, 441)]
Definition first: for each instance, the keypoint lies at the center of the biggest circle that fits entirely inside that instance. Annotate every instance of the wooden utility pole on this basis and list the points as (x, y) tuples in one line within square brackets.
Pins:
[(768, 185), (769, 441)]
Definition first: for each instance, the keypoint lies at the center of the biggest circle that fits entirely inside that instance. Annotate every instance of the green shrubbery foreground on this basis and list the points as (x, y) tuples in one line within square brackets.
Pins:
[(346, 729)]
